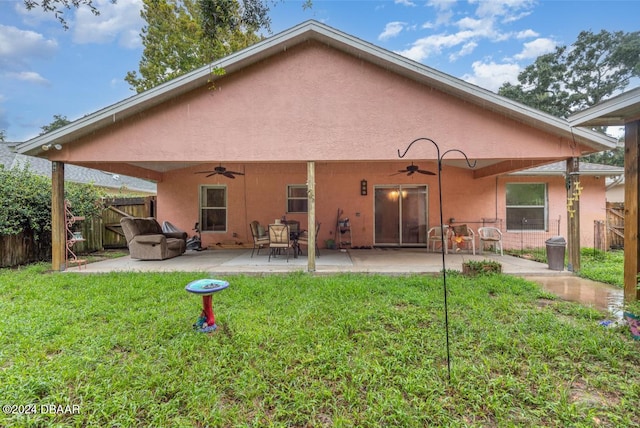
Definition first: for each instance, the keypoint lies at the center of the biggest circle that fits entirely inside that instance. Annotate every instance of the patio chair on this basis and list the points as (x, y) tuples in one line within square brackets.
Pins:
[(434, 236), (304, 239), (464, 236), (260, 237), (147, 241), (279, 239), (492, 235)]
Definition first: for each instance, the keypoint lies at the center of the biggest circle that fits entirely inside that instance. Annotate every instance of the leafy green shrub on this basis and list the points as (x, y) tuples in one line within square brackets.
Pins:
[(26, 201), (481, 267)]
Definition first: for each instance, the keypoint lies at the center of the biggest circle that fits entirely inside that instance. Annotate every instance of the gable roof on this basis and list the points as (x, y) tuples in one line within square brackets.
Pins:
[(77, 174), (313, 30), (615, 111)]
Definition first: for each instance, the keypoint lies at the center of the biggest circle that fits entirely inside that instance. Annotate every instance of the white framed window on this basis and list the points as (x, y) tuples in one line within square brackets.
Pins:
[(213, 208), (527, 206), (297, 201)]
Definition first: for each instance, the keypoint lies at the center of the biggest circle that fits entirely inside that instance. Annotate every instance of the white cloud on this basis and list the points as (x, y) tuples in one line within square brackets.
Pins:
[(35, 16), (120, 21), (404, 2), (433, 45), (441, 5), (509, 10), (444, 10), (29, 76), (536, 48), (471, 24), (392, 29), (491, 75), (18, 47), (526, 34), (466, 49)]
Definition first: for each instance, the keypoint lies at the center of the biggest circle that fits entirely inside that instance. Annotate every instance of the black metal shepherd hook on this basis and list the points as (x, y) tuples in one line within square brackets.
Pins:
[(444, 270)]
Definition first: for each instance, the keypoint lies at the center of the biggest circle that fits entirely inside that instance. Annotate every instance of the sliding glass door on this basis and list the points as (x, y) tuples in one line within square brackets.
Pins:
[(400, 215)]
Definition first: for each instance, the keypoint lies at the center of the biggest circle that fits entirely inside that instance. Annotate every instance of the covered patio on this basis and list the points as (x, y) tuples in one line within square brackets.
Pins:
[(390, 261), (270, 138)]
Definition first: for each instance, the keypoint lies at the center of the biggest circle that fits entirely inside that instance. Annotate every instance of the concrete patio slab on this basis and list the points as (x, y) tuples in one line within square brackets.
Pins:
[(378, 260)]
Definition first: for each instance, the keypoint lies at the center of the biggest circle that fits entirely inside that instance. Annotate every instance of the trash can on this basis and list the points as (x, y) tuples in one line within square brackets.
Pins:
[(555, 252)]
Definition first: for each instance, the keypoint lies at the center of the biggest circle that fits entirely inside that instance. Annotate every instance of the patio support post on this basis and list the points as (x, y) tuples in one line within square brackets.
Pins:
[(311, 215), (58, 230), (573, 214), (631, 218)]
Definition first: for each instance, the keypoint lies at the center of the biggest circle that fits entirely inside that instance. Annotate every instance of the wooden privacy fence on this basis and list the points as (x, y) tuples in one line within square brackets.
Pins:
[(615, 225), (115, 209), (21, 249), (99, 232)]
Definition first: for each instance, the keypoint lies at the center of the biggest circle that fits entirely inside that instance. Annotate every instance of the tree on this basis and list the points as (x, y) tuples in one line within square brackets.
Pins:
[(541, 85), (58, 122), (178, 39), (572, 79), (58, 6), (2, 135)]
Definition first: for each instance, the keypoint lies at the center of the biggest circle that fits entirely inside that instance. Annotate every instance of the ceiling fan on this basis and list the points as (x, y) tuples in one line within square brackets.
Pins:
[(412, 169), (222, 171)]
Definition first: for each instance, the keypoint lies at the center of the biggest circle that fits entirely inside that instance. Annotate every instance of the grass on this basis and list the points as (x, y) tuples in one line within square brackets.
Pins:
[(607, 267), (597, 265), (303, 350)]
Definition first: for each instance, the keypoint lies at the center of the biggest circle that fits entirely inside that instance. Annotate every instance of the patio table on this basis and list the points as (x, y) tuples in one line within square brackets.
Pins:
[(206, 288)]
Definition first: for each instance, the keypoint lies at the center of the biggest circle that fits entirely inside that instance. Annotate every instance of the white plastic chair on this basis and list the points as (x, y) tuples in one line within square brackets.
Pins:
[(491, 235), (434, 236)]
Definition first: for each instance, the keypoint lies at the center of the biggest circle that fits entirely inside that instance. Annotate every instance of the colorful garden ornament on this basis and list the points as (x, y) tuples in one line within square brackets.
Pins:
[(206, 287)]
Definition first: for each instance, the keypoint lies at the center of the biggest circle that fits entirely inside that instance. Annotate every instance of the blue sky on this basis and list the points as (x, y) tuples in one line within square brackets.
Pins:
[(45, 70)]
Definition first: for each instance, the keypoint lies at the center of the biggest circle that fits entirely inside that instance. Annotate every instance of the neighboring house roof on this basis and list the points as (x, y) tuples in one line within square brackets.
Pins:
[(77, 174), (560, 168), (615, 111), (302, 33)]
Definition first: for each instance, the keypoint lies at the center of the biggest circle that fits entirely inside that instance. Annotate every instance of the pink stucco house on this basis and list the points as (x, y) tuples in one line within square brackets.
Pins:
[(316, 112)]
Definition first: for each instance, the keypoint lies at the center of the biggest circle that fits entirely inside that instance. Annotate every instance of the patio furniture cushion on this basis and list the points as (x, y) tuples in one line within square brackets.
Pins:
[(146, 241), (464, 235), (279, 239)]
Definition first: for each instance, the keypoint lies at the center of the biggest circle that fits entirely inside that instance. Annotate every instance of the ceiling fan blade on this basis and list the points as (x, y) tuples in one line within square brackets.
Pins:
[(410, 173), (421, 171), (235, 172), (202, 172), (229, 175), (213, 173)]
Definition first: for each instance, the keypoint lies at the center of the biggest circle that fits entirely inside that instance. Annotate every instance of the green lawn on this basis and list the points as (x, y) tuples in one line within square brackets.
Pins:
[(303, 350), (607, 267)]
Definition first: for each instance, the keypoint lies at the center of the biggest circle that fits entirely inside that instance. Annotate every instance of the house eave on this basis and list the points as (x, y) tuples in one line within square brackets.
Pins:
[(615, 111)]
